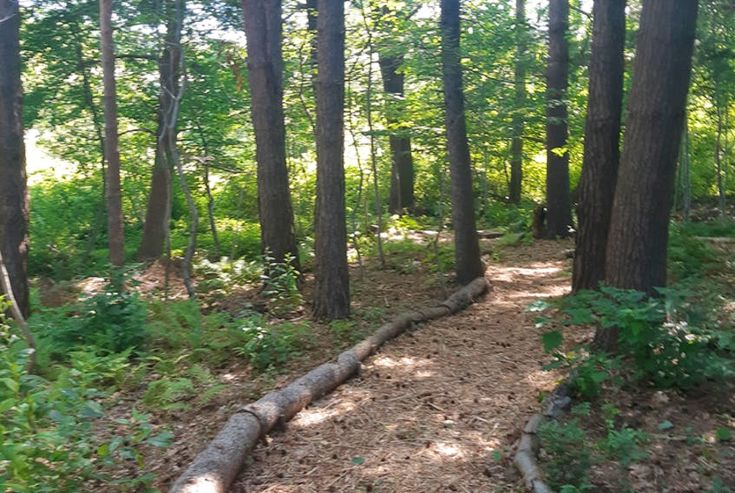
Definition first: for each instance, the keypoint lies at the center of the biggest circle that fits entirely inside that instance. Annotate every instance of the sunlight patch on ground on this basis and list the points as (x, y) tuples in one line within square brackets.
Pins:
[(451, 450), (405, 362), (508, 274), (539, 379), (315, 415), (549, 292)]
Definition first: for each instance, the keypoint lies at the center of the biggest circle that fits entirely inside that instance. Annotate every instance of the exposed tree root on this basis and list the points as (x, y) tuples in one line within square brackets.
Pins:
[(215, 468)]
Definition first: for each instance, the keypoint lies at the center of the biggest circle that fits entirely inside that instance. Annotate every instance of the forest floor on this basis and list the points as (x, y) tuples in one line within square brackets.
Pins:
[(438, 409)]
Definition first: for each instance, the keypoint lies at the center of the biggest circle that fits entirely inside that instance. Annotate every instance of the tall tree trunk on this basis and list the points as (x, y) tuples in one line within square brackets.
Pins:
[(636, 252), (311, 27), (686, 173), (718, 160), (601, 143), (115, 233), (516, 146), (332, 293), (468, 264), (99, 215), (373, 143), (265, 66), (158, 213), (402, 174), (559, 213), (13, 190), (208, 190)]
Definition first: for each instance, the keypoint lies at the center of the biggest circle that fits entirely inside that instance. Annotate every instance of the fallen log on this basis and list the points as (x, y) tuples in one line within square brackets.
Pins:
[(526, 458), (217, 466)]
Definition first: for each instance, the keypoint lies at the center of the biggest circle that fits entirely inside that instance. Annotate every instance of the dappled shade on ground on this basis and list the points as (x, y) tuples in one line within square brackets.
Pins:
[(436, 410)]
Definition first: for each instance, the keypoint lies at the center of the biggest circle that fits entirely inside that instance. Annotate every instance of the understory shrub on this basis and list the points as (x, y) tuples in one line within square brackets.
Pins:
[(568, 454), (49, 440), (112, 321), (268, 346), (655, 335)]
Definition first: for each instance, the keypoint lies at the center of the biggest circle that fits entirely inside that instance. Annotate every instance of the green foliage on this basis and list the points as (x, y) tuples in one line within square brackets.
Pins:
[(570, 452), (569, 455), (514, 239), (516, 218), (112, 321), (172, 394), (346, 330), (281, 281), (47, 427), (221, 276), (655, 334), (440, 259), (624, 446), (269, 346), (690, 257), (723, 434), (179, 331)]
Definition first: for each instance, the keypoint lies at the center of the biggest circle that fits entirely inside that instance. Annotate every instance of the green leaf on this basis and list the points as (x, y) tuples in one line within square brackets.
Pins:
[(538, 306), (665, 425), (103, 450), (11, 384), (358, 460), (723, 434), (580, 316), (161, 440), (552, 340), (7, 404), (91, 410)]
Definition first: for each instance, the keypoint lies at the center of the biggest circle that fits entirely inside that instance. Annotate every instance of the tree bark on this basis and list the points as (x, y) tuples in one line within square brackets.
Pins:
[(718, 159), (516, 146), (6, 289), (601, 144), (468, 264), (13, 189), (636, 251), (402, 174), (115, 233), (332, 292), (265, 66), (158, 213), (559, 214)]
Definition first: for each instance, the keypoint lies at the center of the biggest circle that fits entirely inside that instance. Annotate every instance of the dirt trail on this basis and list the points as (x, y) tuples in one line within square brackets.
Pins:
[(435, 410)]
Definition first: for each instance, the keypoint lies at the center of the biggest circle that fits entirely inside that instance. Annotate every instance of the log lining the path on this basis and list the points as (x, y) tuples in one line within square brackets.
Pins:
[(217, 466), (526, 458)]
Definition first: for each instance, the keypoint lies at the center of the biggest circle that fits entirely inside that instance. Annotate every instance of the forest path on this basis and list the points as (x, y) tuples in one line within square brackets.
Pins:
[(435, 410)]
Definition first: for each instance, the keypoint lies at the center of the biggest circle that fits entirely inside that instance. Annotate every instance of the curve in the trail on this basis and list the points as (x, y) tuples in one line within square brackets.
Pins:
[(435, 410)]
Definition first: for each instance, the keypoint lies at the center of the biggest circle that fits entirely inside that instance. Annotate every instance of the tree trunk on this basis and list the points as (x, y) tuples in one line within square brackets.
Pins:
[(208, 189), (332, 293), (601, 143), (402, 174), (558, 214), (636, 251), (718, 160), (158, 213), (265, 66), (468, 264), (516, 146), (683, 188), (115, 233), (13, 190)]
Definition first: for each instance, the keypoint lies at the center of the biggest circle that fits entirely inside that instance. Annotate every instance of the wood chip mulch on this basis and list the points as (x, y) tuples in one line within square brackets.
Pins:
[(438, 409)]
